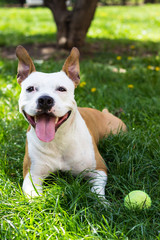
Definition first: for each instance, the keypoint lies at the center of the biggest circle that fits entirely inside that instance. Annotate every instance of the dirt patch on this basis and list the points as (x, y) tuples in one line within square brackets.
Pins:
[(37, 51), (51, 50)]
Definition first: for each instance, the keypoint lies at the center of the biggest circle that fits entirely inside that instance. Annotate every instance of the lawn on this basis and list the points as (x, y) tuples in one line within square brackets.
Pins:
[(121, 73)]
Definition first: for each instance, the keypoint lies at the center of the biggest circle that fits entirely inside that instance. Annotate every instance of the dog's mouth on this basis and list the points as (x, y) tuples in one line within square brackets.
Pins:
[(46, 124)]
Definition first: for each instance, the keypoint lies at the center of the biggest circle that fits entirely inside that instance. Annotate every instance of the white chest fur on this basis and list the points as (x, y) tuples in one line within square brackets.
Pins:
[(71, 150)]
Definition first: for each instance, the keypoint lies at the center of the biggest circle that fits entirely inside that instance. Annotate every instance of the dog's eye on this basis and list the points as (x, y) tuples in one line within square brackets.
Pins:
[(30, 89), (61, 89)]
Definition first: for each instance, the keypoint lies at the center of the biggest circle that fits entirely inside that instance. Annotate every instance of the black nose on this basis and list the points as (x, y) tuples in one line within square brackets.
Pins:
[(45, 102)]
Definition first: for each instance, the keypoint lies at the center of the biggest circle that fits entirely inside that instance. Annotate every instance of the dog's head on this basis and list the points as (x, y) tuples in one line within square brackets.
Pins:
[(47, 99)]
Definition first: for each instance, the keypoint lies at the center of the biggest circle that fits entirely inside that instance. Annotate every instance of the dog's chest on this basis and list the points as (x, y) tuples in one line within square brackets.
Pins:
[(72, 150)]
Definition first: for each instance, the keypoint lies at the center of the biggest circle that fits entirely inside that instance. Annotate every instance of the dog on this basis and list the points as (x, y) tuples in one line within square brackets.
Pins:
[(60, 136)]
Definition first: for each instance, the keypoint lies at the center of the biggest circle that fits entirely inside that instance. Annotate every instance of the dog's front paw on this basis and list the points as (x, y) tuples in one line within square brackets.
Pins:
[(30, 188), (105, 202), (31, 192)]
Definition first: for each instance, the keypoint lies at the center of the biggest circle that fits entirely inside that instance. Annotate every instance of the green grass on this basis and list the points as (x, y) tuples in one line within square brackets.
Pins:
[(68, 210), (139, 23), (26, 26)]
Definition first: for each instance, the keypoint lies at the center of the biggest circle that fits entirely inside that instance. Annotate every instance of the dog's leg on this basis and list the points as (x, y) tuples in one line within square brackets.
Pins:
[(32, 185), (111, 124), (98, 181)]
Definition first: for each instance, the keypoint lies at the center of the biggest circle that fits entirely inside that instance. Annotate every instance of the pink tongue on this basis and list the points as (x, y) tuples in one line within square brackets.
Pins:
[(45, 128)]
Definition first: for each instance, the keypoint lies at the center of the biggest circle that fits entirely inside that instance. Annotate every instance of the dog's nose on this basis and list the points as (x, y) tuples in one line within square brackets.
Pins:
[(45, 102)]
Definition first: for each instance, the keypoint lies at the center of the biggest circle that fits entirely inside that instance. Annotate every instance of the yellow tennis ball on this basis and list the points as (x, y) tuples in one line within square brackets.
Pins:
[(137, 199)]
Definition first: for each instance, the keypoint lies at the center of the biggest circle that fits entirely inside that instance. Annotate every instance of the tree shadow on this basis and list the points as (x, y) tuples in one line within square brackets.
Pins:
[(123, 46), (45, 47), (14, 38)]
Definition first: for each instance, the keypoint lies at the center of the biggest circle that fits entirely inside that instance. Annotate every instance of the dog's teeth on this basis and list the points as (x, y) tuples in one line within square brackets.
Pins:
[(56, 120)]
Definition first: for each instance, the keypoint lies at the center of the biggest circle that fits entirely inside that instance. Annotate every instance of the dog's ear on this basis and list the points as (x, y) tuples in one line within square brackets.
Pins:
[(25, 64), (71, 66)]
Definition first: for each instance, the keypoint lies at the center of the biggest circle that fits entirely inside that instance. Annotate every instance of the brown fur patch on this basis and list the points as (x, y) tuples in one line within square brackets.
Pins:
[(100, 125), (26, 161), (25, 64), (71, 66)]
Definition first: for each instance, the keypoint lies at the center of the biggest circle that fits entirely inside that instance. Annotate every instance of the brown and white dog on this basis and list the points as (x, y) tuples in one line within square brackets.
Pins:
[(61, 136)]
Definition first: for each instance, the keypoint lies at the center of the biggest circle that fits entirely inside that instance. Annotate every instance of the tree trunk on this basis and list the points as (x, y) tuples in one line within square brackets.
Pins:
[(72, 26), (123, 2)]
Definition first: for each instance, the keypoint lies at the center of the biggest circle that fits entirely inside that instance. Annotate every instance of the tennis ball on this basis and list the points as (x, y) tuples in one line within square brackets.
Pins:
[(137, 199)]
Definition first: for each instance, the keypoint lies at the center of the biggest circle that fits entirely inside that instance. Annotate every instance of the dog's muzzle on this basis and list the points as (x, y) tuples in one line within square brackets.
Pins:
[(45, 103), (45, 121)]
